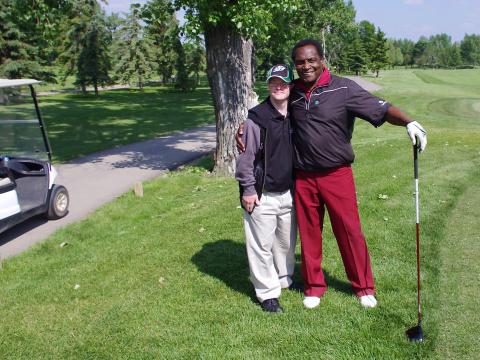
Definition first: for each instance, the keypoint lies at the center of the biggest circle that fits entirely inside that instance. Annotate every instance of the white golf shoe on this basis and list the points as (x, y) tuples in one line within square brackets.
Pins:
[(368, 301), (311, 302)]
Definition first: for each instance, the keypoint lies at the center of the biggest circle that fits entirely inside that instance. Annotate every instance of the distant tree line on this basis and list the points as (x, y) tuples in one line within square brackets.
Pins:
[(437, 51), (77, 37)]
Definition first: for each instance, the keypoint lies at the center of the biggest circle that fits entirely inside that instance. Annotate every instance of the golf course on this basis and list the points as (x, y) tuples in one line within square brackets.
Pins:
[(166, 276)]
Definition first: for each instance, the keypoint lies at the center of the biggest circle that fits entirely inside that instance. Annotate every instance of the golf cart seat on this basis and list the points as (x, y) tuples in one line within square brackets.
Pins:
[(4, 182)]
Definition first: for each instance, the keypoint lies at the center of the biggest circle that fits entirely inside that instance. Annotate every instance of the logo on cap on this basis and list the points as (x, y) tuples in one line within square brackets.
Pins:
[(281, 71)]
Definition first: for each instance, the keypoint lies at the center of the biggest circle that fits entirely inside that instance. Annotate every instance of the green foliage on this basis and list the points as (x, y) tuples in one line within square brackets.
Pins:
[(181, 81), (394, 54), (334, 19), (85, 46), (368, 39), (162, 27), (19, 57), (134, 50), (437, 51), (470, 49), (378, 57), (94, 59), (195, 60), (248, 17), (354, 58)]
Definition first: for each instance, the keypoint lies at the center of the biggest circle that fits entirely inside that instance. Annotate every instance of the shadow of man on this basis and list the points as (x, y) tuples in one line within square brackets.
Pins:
[(337, 284), (227, 261)]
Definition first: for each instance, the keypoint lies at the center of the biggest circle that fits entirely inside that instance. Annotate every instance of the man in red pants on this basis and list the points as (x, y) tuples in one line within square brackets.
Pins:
[(323, 108)]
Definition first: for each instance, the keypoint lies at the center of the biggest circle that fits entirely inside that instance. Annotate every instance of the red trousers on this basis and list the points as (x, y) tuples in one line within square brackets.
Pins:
[(335, 190)]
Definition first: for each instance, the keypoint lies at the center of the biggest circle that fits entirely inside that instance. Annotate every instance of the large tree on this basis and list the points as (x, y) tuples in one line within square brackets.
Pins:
[(357, 57), (84, 48), (134, 50), (25, 32), (94, 59), (366, 31), (195, 57), (394, 54), (470, 49), (162, 27), (228, 27), (378, 57)]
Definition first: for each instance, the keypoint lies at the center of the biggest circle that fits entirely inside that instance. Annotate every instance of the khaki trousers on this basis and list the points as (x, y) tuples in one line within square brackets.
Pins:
[(271, 233)]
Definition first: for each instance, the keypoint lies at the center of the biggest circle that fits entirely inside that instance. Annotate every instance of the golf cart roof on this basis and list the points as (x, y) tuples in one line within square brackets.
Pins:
[(17, 82)]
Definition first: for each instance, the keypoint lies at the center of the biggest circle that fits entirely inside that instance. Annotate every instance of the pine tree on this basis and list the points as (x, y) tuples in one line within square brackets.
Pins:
[(357, 58), (162, 27), (366, 32), (378, 57), (94, 60), (135, 60), (195, 55), (84, 51), (181, 81), (470, 49), (18, 58)]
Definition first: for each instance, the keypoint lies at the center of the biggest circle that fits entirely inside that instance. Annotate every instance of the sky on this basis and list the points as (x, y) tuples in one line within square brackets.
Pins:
[(400, 19), (410, 19)]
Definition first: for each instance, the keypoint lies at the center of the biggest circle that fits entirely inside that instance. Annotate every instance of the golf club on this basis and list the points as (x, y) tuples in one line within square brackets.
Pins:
[(416, 333)]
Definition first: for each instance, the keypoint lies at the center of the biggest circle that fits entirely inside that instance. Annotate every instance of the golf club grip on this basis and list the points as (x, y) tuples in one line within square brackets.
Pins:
[(415, 159)]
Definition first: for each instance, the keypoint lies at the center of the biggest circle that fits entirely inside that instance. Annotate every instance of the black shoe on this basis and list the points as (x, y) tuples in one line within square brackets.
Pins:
[(271, 305), (294, 286)]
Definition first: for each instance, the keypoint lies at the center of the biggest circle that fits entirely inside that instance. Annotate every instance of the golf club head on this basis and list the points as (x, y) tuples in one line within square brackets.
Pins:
[(415, 333)]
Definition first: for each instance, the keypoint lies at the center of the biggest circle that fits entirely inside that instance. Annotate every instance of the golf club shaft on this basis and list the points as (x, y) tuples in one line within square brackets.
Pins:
[(417, 228)]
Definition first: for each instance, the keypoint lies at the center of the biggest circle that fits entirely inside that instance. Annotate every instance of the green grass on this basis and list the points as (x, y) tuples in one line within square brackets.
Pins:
[(458, 318), (166, 276), (59, 86), (81, 124)]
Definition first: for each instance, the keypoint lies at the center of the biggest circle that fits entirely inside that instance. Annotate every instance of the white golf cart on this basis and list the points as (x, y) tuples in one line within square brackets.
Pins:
[(27, 176)]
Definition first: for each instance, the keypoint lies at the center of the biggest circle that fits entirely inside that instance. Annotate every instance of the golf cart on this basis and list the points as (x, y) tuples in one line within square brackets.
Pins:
[(27, 177)]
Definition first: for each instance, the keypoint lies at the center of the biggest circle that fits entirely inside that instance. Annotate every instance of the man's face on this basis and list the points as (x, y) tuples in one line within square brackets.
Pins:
[(308, 63), (278, 89)]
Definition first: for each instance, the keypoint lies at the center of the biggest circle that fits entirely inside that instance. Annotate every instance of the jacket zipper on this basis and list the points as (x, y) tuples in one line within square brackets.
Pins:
[(265, 160)]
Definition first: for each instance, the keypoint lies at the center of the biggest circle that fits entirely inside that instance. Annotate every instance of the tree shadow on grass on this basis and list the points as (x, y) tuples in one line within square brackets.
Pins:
[(227, 261)]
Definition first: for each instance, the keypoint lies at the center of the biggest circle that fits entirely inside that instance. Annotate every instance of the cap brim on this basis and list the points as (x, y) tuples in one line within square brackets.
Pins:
[(280, 77)]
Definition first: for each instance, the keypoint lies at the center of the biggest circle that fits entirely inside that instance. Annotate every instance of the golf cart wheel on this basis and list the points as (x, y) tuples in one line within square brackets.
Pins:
[(58, 203)]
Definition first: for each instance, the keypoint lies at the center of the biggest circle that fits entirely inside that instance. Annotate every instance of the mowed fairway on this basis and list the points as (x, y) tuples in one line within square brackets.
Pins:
[(166, 276), (81, 124)]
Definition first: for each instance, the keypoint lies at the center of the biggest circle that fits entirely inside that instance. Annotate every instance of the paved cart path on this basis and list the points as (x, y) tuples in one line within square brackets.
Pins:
[(99, 178)]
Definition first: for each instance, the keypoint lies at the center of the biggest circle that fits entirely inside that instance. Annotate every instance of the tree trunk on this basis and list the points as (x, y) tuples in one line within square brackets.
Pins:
[(229, 71)]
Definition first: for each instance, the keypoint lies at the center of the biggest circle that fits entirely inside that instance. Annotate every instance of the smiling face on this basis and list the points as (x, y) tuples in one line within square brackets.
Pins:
[(309, 64), (279, 90)]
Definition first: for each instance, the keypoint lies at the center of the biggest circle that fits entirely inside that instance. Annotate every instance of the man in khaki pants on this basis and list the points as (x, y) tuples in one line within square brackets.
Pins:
[(264, 172)]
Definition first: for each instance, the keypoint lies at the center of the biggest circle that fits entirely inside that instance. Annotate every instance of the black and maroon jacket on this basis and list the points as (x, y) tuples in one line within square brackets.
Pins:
[(266, 164), (323, 120)]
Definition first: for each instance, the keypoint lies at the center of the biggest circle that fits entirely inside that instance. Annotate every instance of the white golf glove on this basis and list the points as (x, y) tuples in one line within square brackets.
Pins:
[(415, 130)]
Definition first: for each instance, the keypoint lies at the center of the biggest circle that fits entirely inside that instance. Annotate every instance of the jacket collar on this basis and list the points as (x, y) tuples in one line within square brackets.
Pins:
[(323, 80)]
